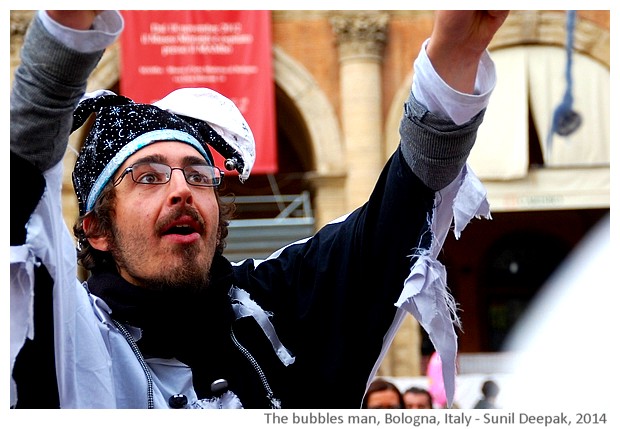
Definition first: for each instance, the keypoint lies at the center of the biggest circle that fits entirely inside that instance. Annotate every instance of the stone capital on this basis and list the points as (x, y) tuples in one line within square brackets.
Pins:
[(360, 34)]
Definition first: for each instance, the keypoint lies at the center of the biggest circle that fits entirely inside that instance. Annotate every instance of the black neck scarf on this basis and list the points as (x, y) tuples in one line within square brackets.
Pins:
[(173, 321)]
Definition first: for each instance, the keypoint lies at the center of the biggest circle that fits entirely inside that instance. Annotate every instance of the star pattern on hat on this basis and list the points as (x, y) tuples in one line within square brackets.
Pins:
[(118, 131)]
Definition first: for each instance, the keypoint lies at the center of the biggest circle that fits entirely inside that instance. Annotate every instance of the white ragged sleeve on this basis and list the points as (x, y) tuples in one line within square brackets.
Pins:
[(425, 293), (82, 367), (47, 242), (22, 300)]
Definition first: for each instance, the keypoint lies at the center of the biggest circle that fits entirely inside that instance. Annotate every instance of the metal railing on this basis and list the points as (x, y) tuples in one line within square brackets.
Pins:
[(280, 220)]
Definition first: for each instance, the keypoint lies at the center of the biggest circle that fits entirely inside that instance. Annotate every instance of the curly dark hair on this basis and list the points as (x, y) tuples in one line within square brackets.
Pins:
[(101, 226)]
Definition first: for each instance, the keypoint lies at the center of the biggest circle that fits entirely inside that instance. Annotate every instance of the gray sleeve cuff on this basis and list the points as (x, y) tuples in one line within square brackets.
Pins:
[(48, 85), (435, 149)]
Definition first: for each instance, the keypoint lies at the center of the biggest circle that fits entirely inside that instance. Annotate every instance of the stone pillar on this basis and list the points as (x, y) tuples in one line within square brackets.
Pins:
[(329, 197), (361, 38), (404, 357)]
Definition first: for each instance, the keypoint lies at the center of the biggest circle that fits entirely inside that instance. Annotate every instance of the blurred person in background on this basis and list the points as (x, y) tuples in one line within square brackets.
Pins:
[(383, 394), (417, 398)]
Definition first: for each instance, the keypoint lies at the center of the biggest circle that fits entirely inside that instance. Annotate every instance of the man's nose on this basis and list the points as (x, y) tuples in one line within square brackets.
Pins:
[(180, 190)]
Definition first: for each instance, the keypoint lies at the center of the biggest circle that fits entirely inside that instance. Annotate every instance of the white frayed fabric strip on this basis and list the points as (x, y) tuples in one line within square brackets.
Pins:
[(48, 243), (470, 202), (425, 293), (244, 306), (427, 298), (22, 301), (228, 400), (220, 113)]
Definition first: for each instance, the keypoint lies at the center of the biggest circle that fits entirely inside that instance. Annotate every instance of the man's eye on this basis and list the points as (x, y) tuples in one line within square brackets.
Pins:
[(150, 177), (197, 178)]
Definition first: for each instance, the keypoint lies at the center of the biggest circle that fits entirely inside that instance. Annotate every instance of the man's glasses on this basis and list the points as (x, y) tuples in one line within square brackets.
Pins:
[(154, 173)]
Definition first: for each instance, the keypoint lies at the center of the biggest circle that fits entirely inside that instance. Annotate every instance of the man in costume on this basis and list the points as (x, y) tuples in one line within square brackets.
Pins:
[(164, 319)]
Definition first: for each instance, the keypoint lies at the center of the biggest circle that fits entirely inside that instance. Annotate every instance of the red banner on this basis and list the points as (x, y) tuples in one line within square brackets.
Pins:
[(227, 51)]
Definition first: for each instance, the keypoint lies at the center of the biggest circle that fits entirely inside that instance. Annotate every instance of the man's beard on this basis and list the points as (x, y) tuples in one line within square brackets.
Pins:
[(185, 269)]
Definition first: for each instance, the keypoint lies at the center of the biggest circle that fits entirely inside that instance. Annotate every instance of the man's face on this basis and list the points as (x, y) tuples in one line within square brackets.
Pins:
[(417, 401), (383, 399), (164, 235)]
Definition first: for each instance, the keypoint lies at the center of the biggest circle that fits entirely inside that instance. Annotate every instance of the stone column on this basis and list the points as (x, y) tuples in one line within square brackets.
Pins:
[(361, 36), (329, 197)]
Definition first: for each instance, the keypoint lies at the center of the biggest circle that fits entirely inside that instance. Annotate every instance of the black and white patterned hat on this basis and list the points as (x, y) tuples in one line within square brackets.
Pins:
[(122, 127)]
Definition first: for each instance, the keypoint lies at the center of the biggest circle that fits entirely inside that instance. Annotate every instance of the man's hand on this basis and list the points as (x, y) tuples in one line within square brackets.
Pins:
[(457, 42), (76, 19)]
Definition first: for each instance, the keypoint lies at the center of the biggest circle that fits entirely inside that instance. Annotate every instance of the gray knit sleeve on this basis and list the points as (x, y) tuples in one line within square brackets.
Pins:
[(48, 85), (435, 148)]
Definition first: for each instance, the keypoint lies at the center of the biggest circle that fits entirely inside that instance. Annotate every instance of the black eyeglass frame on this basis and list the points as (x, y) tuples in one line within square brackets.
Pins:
[(216, 180)]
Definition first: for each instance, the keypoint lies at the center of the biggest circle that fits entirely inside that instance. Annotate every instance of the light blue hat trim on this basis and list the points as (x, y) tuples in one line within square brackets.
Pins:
[(131, 148)]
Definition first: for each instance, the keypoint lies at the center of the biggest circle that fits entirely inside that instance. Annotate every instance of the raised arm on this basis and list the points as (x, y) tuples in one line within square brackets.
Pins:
[(56, 63), (458, 40), (451, 67)]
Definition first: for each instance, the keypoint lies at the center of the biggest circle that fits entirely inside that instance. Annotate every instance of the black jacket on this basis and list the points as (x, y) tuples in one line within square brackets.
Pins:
[(332, 299)]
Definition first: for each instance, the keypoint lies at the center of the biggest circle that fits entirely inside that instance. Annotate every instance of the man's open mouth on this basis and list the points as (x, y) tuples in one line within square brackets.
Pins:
[(185, 225)]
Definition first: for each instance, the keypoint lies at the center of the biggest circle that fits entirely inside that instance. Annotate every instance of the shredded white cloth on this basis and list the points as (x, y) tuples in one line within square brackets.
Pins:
[(425, 294), (228, 400), (244, 306), (47, 242)]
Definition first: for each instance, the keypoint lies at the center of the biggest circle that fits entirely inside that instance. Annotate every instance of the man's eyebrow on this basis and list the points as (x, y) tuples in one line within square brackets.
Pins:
[(151, 158), (187, 160), (192, 159)]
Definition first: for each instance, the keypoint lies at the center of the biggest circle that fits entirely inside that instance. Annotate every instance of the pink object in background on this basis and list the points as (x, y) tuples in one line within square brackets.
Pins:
[(435, 386)]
